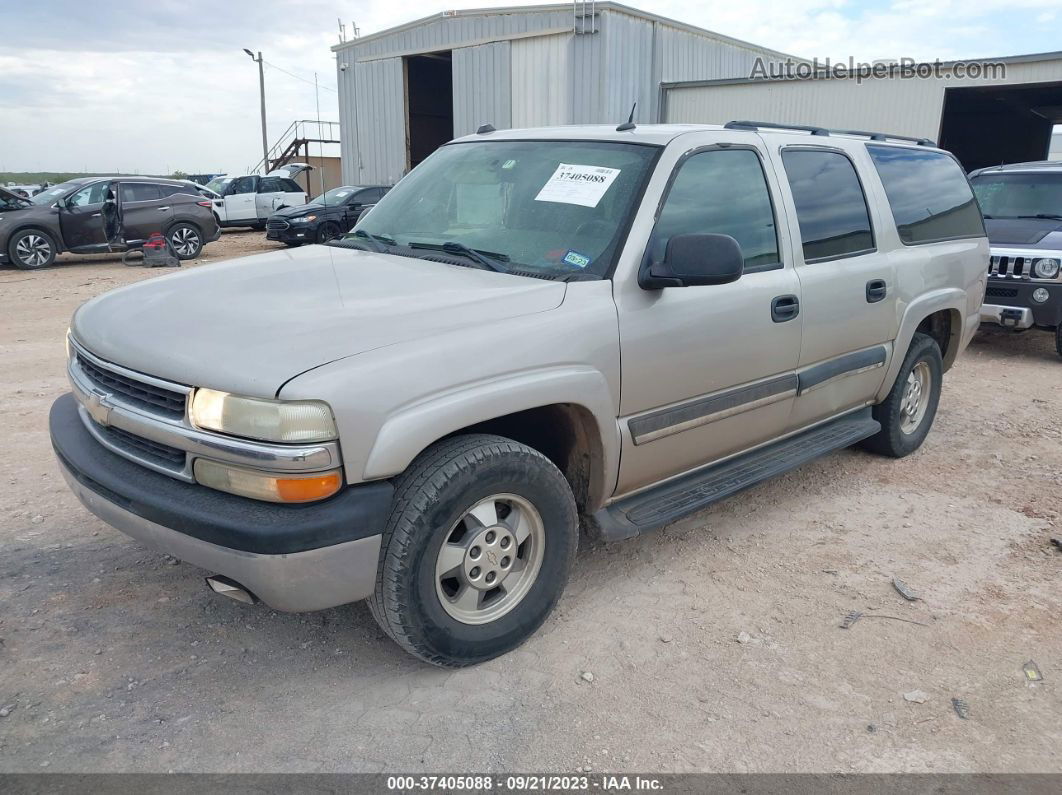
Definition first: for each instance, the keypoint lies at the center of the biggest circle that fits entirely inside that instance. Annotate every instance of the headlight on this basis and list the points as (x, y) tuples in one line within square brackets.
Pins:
[(1045, 268), (270, 420), (304, 219)]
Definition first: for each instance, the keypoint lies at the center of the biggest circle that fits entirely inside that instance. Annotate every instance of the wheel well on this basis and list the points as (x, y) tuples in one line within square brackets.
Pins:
[(567, 435), (944, 326)]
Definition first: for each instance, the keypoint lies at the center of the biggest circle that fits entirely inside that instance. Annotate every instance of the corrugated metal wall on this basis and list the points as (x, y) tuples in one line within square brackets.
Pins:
[(904, 107), (482, 87), (542, 81), (380, 121)]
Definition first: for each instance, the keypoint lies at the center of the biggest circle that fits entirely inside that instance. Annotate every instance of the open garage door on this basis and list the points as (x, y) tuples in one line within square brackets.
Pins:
[(429, 104), (990, 125)]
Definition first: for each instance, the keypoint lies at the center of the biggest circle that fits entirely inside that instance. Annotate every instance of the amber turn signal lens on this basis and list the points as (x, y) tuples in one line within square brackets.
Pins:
[(307, 489)]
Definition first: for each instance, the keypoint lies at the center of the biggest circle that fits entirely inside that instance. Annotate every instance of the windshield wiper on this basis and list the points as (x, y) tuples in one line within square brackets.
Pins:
[(379, 241), (1044, 216), (488, 259)]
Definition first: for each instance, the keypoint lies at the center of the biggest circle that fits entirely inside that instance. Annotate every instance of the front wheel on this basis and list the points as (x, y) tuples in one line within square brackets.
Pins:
[(186, 240), (906, 415), (327, 231), (31, 249), (476, 552)]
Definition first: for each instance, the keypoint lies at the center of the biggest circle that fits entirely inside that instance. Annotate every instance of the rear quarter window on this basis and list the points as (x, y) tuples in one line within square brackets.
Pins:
[(929, 194)]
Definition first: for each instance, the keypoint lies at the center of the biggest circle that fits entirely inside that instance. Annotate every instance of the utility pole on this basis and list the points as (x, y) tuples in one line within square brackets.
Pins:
[(261, 90)]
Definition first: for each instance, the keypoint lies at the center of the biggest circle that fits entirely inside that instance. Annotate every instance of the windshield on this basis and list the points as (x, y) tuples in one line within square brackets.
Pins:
[(551, 208), (53, 194), (218, 184), (1019, 195), (333, 197)]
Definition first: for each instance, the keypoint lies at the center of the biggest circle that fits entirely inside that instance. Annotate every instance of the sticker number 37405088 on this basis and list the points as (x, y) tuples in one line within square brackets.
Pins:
[(572, 184)]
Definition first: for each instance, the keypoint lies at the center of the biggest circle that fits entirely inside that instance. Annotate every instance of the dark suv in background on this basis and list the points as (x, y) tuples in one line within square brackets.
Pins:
[(99, 214), (1022, 206), (327, 217)]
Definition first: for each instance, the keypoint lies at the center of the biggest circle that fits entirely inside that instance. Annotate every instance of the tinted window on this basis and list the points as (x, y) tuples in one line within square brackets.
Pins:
[(138, 192), (830, 206), (93, 194), (721, 192), (243, 185), (929, 195), (290, 185), (271, 185), (370, 196)]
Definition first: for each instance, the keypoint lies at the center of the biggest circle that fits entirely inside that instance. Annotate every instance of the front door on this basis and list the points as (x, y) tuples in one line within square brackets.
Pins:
[(240, 199), (81, 219), (144, 211), (710, 371), (848, 286)]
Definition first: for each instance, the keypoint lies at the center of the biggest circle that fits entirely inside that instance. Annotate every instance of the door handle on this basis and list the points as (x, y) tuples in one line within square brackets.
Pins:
[(95, 215), (876, 290), (784, 307), (163, 209)]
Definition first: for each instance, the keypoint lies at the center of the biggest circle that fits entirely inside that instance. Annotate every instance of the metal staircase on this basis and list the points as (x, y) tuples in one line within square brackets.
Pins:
[(296, 141)]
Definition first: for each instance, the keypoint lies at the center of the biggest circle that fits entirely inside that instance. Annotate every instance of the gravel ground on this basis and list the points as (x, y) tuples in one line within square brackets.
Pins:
[(713, 645)]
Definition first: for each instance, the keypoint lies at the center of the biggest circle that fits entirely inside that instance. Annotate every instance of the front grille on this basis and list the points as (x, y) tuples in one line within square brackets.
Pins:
[(156, 399), (145, 449), (1009, 267), (276, 226), (1001, 292)]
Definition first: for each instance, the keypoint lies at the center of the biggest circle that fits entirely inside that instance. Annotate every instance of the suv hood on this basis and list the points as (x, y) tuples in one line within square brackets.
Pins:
[(300, 210), (1042, 233), (249, 325)]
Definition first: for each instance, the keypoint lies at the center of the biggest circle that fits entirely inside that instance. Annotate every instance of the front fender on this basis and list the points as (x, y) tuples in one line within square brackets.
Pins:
[(412, 428)]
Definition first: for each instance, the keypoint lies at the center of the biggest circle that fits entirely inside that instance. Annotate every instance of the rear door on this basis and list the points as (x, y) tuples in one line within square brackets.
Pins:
[(81, 219), (240, 199), (847, 284), (145, 210)]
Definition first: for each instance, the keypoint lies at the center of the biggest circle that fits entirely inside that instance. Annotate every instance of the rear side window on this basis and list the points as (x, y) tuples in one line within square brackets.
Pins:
[(138, 192), (722, 192), (290, 185), (929, 195), (830, 205)]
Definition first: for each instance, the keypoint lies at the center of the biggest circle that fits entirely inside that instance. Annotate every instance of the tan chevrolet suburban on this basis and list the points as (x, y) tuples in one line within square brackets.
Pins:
[(535, 331)]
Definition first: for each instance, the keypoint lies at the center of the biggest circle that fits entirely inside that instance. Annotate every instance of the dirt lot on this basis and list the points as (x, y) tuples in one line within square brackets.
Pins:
[(713, 645)]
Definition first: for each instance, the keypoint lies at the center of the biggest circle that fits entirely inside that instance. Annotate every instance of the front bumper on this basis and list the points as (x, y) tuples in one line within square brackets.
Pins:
[(1003, 296), (292, 233), (293, 557)]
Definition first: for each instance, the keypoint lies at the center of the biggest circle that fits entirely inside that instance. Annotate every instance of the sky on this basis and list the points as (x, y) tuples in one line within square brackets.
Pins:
[(153, 87)]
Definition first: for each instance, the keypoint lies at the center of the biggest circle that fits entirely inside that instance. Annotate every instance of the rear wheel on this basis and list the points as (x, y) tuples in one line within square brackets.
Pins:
[(906, 415), (31, 249), (476, 552), (186, 240)]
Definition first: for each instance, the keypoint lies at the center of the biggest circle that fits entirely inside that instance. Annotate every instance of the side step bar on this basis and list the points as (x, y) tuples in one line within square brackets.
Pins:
[(671, 501)]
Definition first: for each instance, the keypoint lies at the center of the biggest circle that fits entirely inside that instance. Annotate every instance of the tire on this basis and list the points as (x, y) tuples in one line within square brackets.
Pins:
[(186, 239), (31, 249), (327, 231), (906, 415), (432, 504)]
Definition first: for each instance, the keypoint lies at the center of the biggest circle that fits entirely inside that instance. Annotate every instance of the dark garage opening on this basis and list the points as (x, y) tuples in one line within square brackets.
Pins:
[(429, 104), (990, 125)]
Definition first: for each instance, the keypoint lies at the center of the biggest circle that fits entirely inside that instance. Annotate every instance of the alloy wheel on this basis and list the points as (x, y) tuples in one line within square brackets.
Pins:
[(915, 399), (33, 250), (490, 559), (185, 241)]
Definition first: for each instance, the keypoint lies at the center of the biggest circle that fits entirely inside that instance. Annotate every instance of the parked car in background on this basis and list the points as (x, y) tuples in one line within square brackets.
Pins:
[(326, 217), (1022, 205), (97, 214), (248, 199), (26, 191), (534, 331), (10, 200)]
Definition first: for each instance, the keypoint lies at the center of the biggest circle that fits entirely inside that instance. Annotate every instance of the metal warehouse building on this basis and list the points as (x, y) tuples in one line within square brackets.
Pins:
[(407, 90)]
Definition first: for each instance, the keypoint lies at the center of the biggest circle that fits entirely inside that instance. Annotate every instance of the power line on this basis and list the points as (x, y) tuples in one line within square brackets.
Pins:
[(303, 79)]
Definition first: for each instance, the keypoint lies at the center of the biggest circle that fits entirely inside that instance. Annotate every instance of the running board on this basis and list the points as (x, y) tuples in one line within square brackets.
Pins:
[(675, 499)]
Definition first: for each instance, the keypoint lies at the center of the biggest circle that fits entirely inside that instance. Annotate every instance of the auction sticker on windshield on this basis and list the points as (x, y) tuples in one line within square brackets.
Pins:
[(583, 185)]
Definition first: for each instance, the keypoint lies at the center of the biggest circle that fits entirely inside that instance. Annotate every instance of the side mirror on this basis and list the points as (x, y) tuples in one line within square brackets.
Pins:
[(695, 260)]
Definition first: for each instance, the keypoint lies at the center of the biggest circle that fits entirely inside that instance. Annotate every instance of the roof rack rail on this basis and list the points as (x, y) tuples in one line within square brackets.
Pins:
[(873, 136), (770, 125)]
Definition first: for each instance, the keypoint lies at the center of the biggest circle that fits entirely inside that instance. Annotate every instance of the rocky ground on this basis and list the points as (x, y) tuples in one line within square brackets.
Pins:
[(714, 645)]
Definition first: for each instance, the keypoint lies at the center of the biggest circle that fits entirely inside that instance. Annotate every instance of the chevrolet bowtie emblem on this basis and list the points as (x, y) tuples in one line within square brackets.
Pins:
[(98, 408)]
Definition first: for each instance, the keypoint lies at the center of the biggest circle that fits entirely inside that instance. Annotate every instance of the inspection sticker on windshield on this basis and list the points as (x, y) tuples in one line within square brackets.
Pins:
[(576, 259), (583, 185)]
